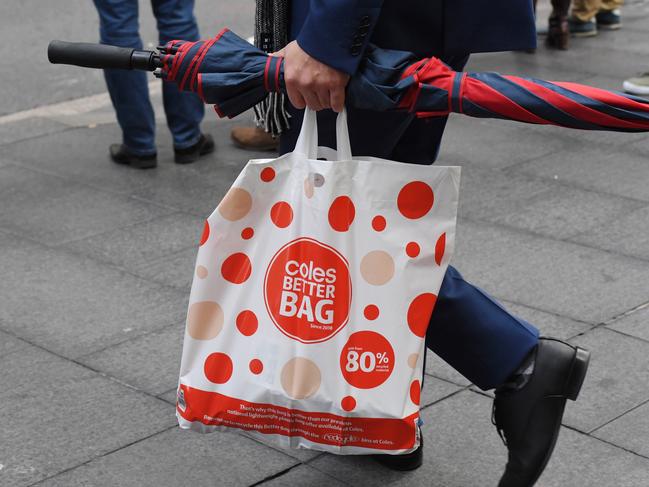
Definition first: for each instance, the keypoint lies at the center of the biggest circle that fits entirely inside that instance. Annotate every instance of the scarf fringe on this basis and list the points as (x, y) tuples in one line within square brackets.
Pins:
[(271, 34)]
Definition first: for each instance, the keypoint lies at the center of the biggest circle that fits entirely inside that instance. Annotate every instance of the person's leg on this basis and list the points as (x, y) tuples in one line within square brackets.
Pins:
[(118, 25), (475, 335), (184, 110), (585, 10), (609, 5)]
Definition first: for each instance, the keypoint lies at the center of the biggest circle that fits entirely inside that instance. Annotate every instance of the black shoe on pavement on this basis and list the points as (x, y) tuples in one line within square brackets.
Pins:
[(528, 419), (405, 462), (190, 154), (120, 154)]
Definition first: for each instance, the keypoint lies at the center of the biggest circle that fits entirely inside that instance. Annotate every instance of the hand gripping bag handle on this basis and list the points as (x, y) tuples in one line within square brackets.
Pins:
[(307, 142)]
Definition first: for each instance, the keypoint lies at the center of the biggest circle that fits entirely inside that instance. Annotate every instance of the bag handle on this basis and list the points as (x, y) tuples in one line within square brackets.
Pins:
[(307, 141)]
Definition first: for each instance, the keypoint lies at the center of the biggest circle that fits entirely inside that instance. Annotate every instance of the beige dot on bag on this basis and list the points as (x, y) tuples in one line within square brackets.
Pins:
[(308, 188), (201, 272), (235, 204), (300, 378), (412, 360), (204, 320), (377, 267)]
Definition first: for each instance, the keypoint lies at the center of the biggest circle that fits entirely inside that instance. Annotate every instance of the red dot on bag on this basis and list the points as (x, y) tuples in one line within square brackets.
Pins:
[(412, 249), (206, 233), (247, 322), (236, 268), (267, 174), (341, 213), (419, 313), (415, 392), (247, 233), (281, 214), (256, 366), (415, 199), (218, 368), (371, 312), (440, 246), (378, 223), (348, 403)]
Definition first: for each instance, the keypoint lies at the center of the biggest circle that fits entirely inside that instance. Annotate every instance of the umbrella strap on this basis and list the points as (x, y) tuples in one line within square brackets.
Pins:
[(271, 34)]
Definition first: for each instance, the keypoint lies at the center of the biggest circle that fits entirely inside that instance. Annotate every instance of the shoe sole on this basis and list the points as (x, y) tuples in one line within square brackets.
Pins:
[(189, 159), (635, 89), (584, 34), (577, 374), (609, 26), (264, 148)]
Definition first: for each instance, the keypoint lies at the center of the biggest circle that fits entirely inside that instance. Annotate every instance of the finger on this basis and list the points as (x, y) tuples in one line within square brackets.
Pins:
[(312, 100), (324, 98), (279, 53), (295, 97), (337, 99)]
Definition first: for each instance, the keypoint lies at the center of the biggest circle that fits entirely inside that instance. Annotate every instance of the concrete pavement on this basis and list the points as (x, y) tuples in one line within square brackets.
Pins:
[(97, 261)]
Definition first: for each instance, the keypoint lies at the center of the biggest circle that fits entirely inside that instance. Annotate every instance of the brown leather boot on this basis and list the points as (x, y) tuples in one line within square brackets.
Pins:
[(558, 28), (558, 33), (253, 138)]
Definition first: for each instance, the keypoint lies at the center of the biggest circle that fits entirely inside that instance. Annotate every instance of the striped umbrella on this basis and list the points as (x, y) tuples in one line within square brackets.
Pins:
[(233, 75)]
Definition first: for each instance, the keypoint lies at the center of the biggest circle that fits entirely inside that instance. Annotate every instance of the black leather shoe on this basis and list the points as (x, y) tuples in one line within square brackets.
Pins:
[(405, 462), (120, 154), (528, 420), (190, 154)]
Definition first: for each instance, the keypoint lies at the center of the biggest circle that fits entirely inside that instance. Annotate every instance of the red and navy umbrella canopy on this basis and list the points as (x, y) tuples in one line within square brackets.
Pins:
[(233, 75)]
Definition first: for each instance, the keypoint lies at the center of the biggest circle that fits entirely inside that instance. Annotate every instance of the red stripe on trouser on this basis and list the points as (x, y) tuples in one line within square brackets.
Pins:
[(574, 108), (490, 99), (212, 408)]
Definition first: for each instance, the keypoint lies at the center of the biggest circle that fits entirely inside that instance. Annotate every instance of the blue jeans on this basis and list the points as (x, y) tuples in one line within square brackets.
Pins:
[(129, 92)]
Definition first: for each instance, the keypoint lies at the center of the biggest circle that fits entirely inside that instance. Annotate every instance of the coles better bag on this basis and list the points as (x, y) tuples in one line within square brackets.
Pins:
[(314, 284)]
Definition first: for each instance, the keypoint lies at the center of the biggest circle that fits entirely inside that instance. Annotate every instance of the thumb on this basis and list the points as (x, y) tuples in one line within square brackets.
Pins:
[(279, 53)]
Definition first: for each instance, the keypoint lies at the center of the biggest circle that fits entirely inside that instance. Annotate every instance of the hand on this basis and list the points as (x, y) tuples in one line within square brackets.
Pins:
[(310, 82)]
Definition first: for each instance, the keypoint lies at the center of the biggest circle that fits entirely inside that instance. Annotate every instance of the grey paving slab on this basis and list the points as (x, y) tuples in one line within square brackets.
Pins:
[(82, 155), (139, 244), (179, 457), (635, 324), (630, 431), (628, 234), (461, 449), (582, 460), (494, 143), (524, 64), (74, 305), (592, 167), (538, 206), (29, 128), (550, 325), (304, 475), (149, 362), (63, 414), (436, 367), (559, 277), (435, 390), (616, 382), (10, 344), (175, 270), (52, 210)]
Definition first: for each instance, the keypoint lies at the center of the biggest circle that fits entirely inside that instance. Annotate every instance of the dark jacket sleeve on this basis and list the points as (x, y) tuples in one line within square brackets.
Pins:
[(336, 32)]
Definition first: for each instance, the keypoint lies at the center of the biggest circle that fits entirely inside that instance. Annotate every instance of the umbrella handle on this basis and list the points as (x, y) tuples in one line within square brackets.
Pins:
[(101, 56)]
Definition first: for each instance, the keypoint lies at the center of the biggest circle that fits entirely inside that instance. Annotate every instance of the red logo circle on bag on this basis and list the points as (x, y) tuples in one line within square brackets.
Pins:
[(308, 290)]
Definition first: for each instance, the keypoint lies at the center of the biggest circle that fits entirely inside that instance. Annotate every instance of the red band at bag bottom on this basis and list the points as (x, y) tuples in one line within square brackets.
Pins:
[(214, 409)]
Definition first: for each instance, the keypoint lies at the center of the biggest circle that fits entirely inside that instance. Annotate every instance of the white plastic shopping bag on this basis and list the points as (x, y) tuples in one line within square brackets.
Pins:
[(314, 284)]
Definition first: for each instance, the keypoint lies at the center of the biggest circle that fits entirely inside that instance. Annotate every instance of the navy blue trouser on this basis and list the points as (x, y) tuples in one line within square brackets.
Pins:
[(469, 330), (119, 26)]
